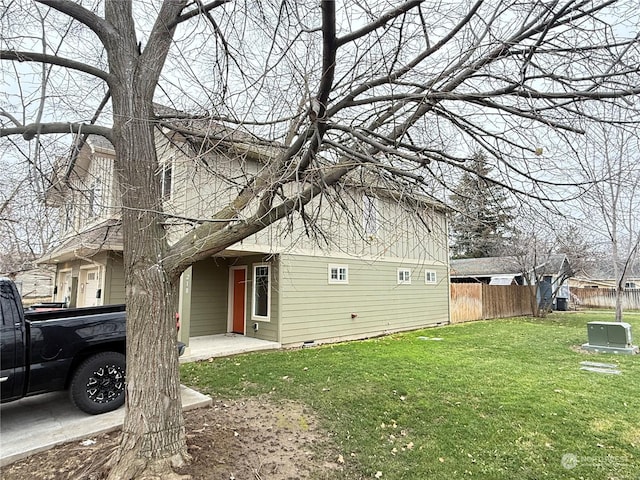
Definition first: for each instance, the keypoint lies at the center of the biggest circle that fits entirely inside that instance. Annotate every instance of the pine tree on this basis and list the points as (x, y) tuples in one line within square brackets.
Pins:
[(481, 222)]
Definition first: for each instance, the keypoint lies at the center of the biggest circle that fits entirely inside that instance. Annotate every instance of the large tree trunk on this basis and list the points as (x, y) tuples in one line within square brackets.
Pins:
[(153, 439)]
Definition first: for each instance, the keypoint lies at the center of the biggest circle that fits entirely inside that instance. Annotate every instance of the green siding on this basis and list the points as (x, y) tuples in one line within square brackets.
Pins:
[(209, 298), (314, 310)]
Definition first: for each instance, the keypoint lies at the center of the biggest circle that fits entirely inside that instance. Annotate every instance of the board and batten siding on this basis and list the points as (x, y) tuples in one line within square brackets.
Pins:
[(312, 309), (399, 233)]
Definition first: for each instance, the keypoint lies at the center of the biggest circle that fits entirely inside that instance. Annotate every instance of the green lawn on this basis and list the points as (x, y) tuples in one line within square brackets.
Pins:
[(502, 399)]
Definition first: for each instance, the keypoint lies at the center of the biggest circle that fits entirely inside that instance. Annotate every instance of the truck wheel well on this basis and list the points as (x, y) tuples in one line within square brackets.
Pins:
[(90, 351)]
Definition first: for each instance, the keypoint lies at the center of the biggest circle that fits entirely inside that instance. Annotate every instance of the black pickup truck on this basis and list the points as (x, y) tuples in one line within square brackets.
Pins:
[(79, 349)]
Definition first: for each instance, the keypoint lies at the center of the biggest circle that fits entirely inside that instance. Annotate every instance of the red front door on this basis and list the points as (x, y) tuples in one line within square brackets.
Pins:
[(237, 303)]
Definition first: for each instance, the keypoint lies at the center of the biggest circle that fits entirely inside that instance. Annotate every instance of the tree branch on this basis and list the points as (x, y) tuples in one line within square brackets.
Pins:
[(18, 56), (12, 119), (29, 132), (195, 12), (384, 18), (103, 29)]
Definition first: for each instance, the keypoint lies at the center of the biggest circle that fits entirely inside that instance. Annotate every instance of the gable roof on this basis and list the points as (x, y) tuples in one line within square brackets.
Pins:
[(505, 266), (485, 267)]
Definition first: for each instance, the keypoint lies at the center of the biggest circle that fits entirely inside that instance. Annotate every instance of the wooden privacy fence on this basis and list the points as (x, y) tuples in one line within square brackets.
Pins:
[(477, 301), (605, 298)]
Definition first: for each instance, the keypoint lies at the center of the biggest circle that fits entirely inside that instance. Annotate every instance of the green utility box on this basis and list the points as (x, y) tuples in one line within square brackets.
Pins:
[(614, 337)]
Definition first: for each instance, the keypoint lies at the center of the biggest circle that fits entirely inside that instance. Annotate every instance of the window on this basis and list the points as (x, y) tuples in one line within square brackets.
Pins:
[(261, 291), (338, 274), (370, 215), (404, 276), (68, 217), (430, 276), (95, 199), (167, 180)]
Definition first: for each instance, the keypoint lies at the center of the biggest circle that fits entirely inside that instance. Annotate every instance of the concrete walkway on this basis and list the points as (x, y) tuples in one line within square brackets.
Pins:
[(38, 423), (224, 345)]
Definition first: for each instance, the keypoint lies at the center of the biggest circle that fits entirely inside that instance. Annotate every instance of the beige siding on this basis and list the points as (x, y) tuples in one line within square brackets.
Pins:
[(114, 280), (400, 233), (209, 298), (314, 310), (91, 166), (204, 182), (109, 276)]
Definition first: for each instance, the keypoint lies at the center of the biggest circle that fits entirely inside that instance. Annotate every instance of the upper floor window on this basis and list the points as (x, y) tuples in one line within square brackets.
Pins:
[(167, 179), (430, 276), (95, 198), (370, 212)]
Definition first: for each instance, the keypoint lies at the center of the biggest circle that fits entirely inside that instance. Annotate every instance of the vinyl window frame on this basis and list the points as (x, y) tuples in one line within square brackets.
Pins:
[(403, 276), (255, 315), (341, 274)]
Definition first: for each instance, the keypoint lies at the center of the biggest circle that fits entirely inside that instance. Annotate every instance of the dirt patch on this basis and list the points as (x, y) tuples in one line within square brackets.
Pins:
[(246, 439), (579, 349)]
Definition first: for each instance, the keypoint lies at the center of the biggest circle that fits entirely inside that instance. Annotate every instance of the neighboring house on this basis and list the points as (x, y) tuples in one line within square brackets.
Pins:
[(552, 274), (378, 270), (601, 275), (34, 285), (587, 282)]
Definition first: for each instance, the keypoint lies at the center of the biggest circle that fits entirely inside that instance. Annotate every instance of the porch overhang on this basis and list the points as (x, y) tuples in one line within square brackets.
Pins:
[(105, 236)]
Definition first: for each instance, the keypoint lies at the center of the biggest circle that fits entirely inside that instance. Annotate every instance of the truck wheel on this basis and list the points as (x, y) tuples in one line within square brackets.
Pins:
[(98, 384)]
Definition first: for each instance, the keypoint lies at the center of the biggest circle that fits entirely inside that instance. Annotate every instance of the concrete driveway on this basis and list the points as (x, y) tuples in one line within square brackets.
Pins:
[(38, 423)]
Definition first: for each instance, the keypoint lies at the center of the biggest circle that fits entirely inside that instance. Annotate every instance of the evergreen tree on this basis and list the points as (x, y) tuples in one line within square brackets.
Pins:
[(481, 222)]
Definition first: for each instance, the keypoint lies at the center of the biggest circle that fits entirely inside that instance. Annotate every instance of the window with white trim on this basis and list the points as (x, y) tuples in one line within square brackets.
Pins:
[(167, 179), (404, 276), (261, 291), (430, 276), (338, 274)]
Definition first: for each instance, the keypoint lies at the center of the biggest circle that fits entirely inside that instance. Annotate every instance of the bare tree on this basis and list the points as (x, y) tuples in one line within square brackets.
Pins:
[(400, 89), (538, 252), (28, 226), (610, 205)]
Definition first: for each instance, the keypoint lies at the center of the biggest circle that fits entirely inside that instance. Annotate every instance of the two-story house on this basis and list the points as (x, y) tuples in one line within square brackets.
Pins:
[(376, 266)]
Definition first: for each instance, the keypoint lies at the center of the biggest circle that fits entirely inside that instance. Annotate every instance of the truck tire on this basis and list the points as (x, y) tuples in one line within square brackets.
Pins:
[(98, 384)]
